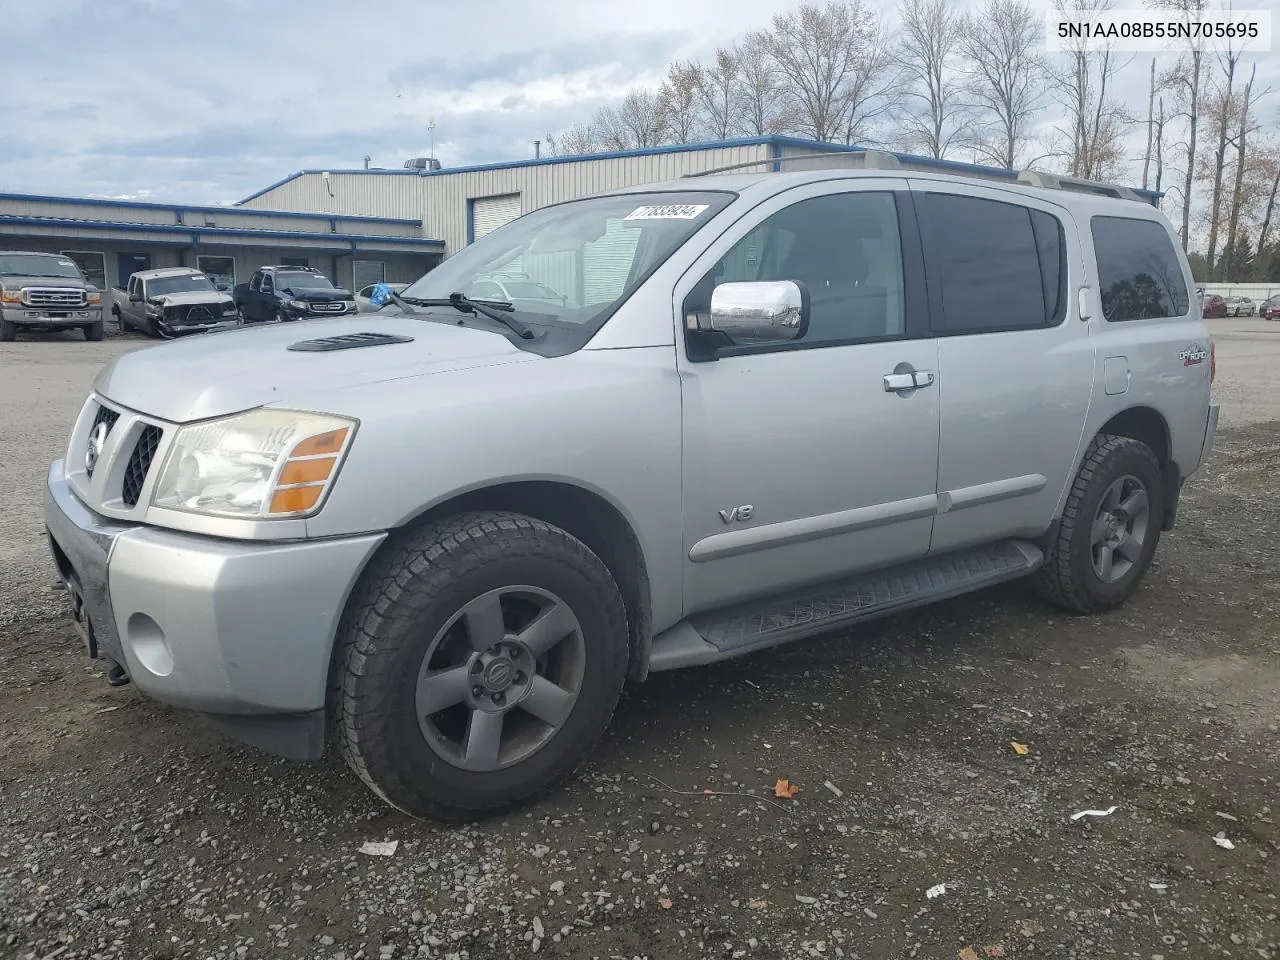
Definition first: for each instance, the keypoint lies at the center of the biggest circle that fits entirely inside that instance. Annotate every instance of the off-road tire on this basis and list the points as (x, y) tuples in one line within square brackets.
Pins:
[(1067, 577), (93, 331), (413, 587), (8, 331)]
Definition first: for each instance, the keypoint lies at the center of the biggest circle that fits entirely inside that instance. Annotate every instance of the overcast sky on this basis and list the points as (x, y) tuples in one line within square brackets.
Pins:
[(208, 102)]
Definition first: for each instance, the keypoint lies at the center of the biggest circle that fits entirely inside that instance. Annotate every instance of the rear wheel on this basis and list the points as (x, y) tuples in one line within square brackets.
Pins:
[(1110, 528), (479, 665)]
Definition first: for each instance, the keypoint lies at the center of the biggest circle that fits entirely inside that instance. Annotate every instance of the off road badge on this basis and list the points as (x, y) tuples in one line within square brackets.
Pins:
[(1193, 354)]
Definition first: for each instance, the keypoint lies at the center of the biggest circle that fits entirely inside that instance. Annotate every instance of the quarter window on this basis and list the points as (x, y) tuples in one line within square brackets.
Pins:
[(1000, 266), (845, 248), (1139, 274)]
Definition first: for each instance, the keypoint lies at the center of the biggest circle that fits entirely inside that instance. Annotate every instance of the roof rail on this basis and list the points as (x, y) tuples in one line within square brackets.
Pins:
[(864, 159), (1054, 181), (869, 159)]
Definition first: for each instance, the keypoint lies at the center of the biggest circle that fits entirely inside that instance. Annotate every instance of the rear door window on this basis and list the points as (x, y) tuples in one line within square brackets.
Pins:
[(998, 266), (1139, 274)]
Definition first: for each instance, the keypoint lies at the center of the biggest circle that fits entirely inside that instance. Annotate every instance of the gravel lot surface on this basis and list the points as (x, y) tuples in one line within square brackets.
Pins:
[(131, 830)]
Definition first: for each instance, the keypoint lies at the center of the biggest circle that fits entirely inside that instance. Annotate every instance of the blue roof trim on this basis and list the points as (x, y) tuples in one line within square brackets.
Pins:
[(190, 230), (776, 142), (179, 207)]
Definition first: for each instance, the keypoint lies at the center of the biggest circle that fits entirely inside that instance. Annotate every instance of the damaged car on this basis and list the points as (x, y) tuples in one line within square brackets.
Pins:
[(173, 301)]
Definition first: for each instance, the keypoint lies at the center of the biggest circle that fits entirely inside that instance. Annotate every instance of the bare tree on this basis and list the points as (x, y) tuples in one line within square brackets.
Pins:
[(929, 43), (635, 122), (1005, 76), (1151, 110), (1160, 146), (717, 94), (1185, 79), (1224, 111), (576, 141), (759, 105), (678, 102), (1265, 231), (1084, 85), (1242, 161), (830, 60)]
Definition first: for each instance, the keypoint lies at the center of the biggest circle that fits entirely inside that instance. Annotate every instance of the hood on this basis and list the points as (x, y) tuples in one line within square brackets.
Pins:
[(225, 372), (192, 296), (319, 293), (13, 282)]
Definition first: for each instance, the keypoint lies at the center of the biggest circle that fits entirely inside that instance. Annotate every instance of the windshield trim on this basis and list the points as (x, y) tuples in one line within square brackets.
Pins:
[(583, 333)]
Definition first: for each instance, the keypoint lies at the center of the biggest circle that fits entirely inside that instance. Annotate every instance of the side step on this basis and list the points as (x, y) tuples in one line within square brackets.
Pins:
[(731, 632)]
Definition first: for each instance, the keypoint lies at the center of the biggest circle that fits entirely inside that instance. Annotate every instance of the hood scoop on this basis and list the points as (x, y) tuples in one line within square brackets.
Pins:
[(347, 341)]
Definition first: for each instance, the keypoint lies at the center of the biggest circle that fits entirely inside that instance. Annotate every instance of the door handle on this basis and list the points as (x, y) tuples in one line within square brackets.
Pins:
[(897, 382)]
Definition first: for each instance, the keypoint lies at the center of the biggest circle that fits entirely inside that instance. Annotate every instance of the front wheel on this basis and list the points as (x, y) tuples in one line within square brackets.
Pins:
[(478, 665), (1109, 530), (8, 331), (93, 331)]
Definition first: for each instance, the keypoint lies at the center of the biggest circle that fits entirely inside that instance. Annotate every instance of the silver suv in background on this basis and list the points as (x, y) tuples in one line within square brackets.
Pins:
[(46, 292), (442, 536)]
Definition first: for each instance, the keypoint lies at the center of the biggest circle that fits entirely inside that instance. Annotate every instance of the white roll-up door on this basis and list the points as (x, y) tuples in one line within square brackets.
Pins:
[(489, 213)]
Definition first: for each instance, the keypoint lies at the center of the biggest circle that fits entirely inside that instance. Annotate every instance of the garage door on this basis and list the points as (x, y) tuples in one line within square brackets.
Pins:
[(489, 213)]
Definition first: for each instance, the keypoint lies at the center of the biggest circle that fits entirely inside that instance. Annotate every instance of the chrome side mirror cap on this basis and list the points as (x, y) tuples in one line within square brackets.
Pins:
[(775, 310)]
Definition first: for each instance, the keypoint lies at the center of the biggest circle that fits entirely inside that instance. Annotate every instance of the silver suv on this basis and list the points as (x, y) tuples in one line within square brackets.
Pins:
[(771, 405)]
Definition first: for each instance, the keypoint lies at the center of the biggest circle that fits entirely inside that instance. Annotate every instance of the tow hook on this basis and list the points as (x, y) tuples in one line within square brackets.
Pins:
[(116, 675)]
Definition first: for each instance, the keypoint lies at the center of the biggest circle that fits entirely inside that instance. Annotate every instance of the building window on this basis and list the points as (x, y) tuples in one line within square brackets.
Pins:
[(221, 270), (92, 265), (367, 272)]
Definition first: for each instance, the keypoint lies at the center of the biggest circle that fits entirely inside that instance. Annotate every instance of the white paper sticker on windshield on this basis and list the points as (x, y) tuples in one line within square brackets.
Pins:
[(667, 211), (65, 263)]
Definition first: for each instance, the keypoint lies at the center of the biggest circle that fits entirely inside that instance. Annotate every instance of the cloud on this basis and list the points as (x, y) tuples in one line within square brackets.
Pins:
[(205, 104)]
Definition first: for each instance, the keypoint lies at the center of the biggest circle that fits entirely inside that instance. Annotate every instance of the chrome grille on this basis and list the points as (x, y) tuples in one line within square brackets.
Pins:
[(135, 473), (105, 415), (53, 297), (332, 306)]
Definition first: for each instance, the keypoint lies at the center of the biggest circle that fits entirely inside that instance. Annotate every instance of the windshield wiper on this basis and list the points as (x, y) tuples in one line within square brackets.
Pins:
[(491, 309)]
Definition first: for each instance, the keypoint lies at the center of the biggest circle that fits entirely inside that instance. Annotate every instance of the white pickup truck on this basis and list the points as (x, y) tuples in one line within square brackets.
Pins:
[(172, 301)]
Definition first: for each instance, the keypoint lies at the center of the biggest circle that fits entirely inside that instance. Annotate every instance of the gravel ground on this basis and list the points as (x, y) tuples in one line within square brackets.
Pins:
[(131, 830)]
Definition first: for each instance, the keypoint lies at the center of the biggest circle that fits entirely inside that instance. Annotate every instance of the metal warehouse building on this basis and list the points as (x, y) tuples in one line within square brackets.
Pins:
[(111, 239), (361, 226), (459, 205)]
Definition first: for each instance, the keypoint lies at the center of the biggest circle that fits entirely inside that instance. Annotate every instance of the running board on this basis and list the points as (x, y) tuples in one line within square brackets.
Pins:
[(745, 628)]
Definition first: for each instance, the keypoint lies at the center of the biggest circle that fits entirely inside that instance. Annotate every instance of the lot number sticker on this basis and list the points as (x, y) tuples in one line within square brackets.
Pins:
[(670, 211)]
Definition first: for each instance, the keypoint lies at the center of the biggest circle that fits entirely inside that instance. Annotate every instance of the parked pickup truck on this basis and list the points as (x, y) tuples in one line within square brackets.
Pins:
[(172, 301), (46, 291), (288, 293), (774, 406)]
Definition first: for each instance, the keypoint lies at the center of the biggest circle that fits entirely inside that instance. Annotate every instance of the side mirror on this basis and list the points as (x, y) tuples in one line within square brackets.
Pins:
[(135, 298), (775, 310)]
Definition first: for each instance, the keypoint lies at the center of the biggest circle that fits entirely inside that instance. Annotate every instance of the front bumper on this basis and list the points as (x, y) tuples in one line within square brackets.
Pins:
[(241, 631), (43, 317)]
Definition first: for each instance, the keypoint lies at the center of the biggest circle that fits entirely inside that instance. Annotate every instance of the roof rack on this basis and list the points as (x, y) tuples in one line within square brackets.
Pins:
[(859, 158)]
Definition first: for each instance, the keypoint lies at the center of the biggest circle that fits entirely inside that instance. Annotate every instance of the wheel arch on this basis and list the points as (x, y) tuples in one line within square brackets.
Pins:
[(586, 515), (1148, 426)]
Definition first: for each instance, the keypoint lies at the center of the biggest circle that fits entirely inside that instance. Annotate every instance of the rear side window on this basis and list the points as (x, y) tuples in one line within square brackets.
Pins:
[(1139, 273), (999, 266)]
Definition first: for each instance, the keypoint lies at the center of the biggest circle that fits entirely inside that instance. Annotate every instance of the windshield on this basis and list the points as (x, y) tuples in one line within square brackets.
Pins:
[(191, 283), (38, 265), (573, 263), (302, 281)]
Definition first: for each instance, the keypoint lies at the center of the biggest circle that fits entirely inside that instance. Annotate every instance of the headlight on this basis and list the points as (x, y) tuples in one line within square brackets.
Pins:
[(93, 299), (299, 304), (152, 310), (265, 464)]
